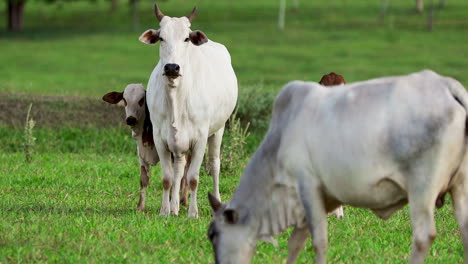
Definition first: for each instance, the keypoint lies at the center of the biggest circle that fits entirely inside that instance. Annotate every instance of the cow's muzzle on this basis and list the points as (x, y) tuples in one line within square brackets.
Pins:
[(131, 121), (171, 70)]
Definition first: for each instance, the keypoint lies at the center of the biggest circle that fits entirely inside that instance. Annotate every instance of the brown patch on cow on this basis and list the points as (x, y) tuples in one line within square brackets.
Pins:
[(332, 79), (144, 179), (147, 134), (184, 191), (166, 184), (193, 184)]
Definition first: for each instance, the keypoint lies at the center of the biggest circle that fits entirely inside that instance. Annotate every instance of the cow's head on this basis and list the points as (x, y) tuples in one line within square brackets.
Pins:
[(332, 79), (232, 236), (133, 98), (176, 39)]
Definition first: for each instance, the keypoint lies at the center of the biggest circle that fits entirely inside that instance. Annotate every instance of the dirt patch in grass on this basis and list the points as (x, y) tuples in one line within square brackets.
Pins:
[(59, 111)]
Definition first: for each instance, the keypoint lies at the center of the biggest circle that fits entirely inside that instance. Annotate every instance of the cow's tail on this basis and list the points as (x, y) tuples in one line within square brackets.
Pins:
[(460, 94)]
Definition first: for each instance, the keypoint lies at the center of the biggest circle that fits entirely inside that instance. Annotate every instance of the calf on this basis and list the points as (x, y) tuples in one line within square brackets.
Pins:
[(387, 142), (137, 117)]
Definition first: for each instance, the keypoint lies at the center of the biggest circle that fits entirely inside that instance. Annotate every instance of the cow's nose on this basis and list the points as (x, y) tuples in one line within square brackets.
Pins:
[(131, 121), (171, 69)]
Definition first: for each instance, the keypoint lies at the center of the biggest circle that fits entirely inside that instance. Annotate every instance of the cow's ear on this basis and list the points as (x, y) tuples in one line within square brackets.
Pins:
[(231, 216), (113, 97), (214, 202), (150, 36), (197, 37)]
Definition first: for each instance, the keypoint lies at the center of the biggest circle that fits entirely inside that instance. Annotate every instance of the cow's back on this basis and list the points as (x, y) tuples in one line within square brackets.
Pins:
[(356, 135), (219, 82)]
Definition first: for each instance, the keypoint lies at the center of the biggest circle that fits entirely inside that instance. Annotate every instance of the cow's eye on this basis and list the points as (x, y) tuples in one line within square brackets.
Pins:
[(142, 101), (161, 39), (187, 39), (125, 101)]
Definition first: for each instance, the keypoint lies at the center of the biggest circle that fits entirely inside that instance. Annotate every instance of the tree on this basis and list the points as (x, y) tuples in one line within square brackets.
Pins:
[(282, 12), (15, 14), (420, 5)]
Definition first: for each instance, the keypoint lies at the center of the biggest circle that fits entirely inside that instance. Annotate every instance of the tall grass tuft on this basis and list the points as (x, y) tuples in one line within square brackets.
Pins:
[(234, 148), (29, 139)]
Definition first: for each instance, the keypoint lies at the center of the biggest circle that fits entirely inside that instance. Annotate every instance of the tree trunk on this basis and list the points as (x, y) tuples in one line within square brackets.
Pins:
[(442, 3), (282, 14), (430, 22), (419, 5), (15, 15), (383, 10), (135, 16), (114, 5)]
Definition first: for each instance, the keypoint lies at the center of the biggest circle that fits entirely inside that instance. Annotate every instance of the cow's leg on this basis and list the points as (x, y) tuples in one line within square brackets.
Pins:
[(192, 174), (422, 221), (179, 168), (167, 172), (316, 215), (184, 184), (144, 181), (214, 151), (422, 195), (338, 212), (296, 243), (460, 202)]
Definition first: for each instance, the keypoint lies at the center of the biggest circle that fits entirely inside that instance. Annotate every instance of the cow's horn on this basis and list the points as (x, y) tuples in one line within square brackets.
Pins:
[(158, 12), (191, 16)]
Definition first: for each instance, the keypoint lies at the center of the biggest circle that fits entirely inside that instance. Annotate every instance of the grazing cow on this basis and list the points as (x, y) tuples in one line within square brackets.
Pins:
[(332, 79), (137, 117), (377, 144), (192, 92)]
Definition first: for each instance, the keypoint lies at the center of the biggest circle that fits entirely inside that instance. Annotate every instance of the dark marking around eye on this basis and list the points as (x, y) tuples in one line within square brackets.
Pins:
[(187, 39), (161, 39), (125, 101), (142, 101)]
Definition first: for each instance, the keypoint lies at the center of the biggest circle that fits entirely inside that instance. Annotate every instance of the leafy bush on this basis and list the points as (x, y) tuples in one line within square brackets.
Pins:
[(254, 107), (234, 144)]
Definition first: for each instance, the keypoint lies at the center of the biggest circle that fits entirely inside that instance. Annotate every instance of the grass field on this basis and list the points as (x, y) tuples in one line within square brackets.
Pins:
[(75, 202)]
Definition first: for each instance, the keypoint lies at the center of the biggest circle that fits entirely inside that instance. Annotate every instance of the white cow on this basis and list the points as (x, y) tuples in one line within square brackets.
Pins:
[(378, 144), (191, 94)]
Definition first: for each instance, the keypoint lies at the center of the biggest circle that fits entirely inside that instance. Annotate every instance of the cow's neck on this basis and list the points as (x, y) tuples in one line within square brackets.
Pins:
[(177, 102), (275, 205)]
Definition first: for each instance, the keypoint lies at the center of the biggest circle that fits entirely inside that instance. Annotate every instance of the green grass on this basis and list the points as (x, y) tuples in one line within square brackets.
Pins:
[(79, 208), (75, 202)]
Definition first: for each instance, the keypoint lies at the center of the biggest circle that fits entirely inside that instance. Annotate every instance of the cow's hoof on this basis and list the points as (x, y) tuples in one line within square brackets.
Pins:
[(193, 213), (175, 207), (164, 211)]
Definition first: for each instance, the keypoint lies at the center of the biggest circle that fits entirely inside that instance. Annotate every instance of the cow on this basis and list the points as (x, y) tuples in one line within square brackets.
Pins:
[(192, 91), (332, 79), (137, 117), (376, 144)]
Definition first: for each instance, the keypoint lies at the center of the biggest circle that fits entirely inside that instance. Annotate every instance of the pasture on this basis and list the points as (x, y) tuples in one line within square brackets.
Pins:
[(75, 202)]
